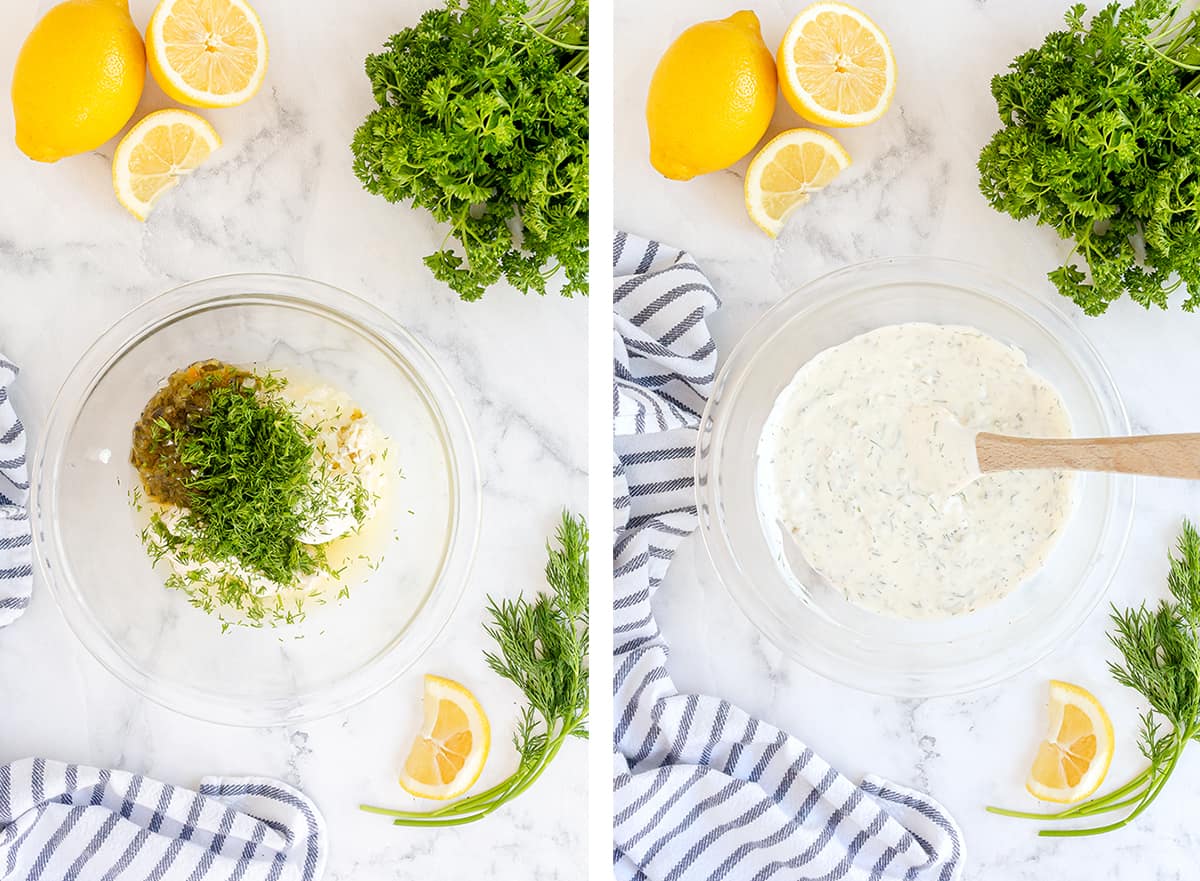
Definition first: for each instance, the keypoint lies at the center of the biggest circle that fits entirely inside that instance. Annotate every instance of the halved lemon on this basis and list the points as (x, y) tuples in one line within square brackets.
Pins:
[(448, 753), (787, 171), (156, 153), (1073, 759), (836, 67), (207, 53)]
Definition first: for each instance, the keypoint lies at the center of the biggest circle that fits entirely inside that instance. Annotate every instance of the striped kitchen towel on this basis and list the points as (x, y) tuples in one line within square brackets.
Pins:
[(703, 790), (72, 823), (16, 553)]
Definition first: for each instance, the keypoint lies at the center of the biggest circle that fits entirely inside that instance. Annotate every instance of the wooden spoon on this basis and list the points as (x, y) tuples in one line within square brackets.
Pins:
[(1160, 455)]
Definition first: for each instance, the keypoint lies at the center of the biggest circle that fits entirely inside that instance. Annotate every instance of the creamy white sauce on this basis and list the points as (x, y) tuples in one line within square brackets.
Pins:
[(867, 461)]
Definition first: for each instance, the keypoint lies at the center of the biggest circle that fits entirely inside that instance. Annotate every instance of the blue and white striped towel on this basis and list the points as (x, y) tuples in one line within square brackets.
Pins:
[(72, 823), (16, 555), (702, 790)]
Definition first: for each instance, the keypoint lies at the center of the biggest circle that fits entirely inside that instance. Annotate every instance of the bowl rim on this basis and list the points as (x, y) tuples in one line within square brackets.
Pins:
[(446, 590), (728, 384)]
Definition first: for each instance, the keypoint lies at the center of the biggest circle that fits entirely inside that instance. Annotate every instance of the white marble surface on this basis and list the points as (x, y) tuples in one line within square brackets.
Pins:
[(280, 196), (912, 190)]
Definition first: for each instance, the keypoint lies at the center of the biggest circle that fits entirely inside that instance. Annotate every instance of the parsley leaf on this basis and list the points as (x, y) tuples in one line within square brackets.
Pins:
[(483, 122), (1101, 141)]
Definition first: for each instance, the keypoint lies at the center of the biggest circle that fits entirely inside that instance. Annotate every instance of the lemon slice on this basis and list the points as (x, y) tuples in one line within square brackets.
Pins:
[(785, 173), (207, 53), (449, 751), (156, 153), (1073, 759), (836, 67)]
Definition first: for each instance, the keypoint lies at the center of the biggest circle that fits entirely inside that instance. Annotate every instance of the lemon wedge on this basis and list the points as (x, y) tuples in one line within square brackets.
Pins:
[(836, 67), (207, 53), (1073, 760), (787, 171), (156, 153), (448, 753)]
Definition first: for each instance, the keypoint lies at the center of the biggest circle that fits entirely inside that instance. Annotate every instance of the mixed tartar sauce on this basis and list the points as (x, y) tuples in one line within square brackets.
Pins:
[(867, 461)]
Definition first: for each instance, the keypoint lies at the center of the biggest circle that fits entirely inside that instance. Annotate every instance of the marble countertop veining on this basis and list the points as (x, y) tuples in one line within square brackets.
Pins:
[(280, 196), (913, 190)]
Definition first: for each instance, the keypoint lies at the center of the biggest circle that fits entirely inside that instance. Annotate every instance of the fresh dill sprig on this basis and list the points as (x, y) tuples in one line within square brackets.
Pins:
[(251, 459), (542, 647), (1160, 659)]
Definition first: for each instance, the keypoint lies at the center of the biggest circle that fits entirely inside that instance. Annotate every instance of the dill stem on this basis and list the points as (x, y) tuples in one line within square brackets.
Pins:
[(1151, 794), (1090, 810), (1098, 805), (475, 807)]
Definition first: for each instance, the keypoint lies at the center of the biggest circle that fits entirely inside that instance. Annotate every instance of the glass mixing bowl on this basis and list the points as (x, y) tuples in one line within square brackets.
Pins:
[(86, 530), (806, 617)]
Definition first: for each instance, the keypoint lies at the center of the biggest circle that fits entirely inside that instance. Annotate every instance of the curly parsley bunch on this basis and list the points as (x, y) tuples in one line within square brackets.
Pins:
[(1101, 141), (483, 122)]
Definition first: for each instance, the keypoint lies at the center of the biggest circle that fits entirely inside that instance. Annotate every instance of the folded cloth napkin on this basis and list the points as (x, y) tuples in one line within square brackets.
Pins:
[(703, 790), (72, 823), (16, 556)]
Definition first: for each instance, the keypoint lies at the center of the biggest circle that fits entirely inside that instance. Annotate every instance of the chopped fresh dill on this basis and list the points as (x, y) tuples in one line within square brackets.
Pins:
[(255, 478)]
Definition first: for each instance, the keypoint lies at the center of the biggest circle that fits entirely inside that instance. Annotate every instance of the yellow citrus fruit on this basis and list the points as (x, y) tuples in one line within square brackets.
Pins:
[(711, 97), (785, 173), (836, 67), (452, 745), (78, 78), (1073, 759), (207, 53), (156, 153)]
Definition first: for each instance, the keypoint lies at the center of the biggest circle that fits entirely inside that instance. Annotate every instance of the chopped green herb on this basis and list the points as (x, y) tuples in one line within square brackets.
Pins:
[(245, 463)]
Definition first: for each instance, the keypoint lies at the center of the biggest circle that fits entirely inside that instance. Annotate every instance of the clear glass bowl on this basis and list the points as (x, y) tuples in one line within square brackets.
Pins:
[(808, 619), (86, 532)]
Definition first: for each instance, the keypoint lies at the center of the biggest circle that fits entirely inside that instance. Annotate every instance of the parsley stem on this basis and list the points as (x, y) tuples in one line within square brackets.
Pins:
[(1183, 65)]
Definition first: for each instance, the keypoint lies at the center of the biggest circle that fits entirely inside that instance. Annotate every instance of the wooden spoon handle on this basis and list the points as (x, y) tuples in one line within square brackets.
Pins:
[(1162, 455)]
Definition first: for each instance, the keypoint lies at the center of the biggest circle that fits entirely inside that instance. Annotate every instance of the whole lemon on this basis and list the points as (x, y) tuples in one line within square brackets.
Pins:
[(78, 78), (711, 97)]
